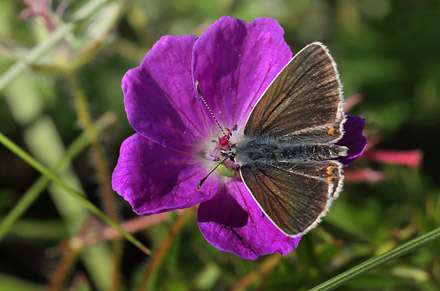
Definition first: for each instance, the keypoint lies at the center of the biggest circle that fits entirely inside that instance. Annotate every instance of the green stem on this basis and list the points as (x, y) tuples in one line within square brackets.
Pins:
[(399, 251), (77, 195), (34, 191), (83, 114)]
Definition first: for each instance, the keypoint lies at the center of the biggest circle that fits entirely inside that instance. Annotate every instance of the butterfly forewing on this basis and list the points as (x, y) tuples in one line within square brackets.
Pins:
[(292, 200), (305, 97)]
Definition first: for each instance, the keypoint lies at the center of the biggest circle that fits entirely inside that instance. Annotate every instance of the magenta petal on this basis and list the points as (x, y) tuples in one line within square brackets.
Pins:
[(235, 61), (155, 179), (160, 98), (233, 222), (353, 139)]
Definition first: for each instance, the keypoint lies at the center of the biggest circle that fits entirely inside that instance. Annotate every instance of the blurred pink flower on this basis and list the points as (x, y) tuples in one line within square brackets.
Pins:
[(365, 174), (39, 9), (410, 158)]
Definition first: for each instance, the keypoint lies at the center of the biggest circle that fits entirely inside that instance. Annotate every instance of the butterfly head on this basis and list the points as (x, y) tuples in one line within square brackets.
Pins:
[(229, 152), (221, 155)]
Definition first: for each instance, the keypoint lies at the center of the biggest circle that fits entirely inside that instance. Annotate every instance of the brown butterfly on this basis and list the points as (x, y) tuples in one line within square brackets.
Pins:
[(288, 156)]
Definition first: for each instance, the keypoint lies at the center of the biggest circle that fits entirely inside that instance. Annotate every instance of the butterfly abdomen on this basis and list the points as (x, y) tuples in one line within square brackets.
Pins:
[(269, 151), (309, 152)]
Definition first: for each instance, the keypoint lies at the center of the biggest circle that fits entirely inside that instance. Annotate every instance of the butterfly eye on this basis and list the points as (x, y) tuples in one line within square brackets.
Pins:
[(229, 153)]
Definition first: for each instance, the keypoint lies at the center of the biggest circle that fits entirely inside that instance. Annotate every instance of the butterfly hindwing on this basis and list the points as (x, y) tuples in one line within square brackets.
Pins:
[(294, 196), (305, 98), (329, 170)]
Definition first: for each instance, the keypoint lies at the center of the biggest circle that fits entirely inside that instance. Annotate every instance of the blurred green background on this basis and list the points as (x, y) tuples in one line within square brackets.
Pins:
[(387, 51)]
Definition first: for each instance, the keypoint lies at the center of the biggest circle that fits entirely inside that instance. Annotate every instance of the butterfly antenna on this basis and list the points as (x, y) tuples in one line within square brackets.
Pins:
[(212, 114), (206, 177)]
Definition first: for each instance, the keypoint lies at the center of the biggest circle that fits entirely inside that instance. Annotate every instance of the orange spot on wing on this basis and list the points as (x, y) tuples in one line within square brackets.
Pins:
[(329, 170), (331, 130)]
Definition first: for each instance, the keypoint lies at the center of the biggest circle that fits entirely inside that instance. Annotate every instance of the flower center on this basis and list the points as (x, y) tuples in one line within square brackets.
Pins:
[(222, 155)]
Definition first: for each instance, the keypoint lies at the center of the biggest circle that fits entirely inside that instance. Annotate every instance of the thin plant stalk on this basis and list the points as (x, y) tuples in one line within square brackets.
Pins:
[(107, 233), (377, 261), (83, 114), (56, 281), (70, 254), (35, 190), (164, 246), (264, 268), (77, 195)]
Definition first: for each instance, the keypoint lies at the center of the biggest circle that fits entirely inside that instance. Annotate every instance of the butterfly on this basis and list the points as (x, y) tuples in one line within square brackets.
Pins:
[(288, 157)]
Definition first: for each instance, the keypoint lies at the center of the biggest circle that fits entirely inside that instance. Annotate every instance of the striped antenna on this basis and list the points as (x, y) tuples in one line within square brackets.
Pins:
[(210, 111)]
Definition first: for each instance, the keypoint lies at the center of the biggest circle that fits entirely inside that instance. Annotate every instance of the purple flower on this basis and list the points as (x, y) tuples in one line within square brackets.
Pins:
[(177, 141)]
